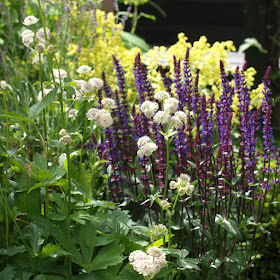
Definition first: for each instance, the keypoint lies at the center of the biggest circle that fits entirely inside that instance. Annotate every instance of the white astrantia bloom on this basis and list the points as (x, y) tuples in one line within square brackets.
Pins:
[(66, 139), (36, 60), (171, 105), (40, 48), (109, 103), (176, 122), (79, 83), (97, 83), (4, 84), (164, 204), (73, 113), (28, 38), (143, 141), (62, 132), (104, 118), (149, 108), (92, 114), (161, 117), (30, 20), (84, 69), (40, 35), (148, 264), (87, 87), (162, 95), (181, 115), (45, 91), (157, 232), (50, 48), (147, 149), (59, 73), (182, 185)]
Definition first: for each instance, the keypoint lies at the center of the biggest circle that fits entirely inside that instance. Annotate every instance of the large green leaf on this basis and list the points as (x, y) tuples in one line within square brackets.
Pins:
[(7, 273), (131, 40), (36, 109), (87, 237), (128, 273), (229, 225), (40, 161), (109, 255), (11, 251)]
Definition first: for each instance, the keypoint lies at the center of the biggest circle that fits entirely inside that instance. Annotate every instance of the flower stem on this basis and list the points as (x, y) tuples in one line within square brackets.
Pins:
[(169, 218), (153, 179), (135, 19), (167, 170)]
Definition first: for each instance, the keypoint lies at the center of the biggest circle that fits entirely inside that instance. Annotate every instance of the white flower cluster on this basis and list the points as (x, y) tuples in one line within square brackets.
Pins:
[(146, 146), (4, 84), (45, 92), (66, 138), (109, 103), (182, 185), (149, 108), (102, 117), (42, 37), (157, 232), (150, 263), (87, 88), (169, 115), (84, 69), (73, 113), (59, 73)]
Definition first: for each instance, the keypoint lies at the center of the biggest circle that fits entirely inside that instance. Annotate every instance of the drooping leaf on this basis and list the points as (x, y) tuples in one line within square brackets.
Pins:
[(131, 40), (11, 251), (229, 225), (36, 109)]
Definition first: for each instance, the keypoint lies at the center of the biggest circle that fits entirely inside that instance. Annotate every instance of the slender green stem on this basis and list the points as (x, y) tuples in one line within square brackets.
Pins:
[(6, 173), (95, 152), (83, 139), (19, 231), (43, 19), (169, 218), (69, 184), (167, 170), (135, 19), (153, 179)]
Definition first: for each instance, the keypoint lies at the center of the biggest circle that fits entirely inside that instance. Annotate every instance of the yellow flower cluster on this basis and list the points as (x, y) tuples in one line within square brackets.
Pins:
[(203, 58), (106, 43)]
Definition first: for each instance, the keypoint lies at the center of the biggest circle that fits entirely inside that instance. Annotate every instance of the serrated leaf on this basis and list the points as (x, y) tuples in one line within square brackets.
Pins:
[(107, 256), (11, 251), (8, 273), (128, 273), (40, 161), (36, 109), (49, 250), (87, 237)]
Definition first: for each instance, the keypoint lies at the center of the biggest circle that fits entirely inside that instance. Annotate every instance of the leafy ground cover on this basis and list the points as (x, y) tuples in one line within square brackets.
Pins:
[(122, 163)]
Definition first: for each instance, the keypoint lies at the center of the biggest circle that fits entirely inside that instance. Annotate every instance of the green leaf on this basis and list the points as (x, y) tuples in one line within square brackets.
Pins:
[(11, 251), (36, 109), (128, 273), (251, 42), (7, 273), (148, 16), (37, 236), (87, 237), (131, 40), (107, 256), (40, 161), (15, 117), (229, 225), (49, 250), (41, 277)]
